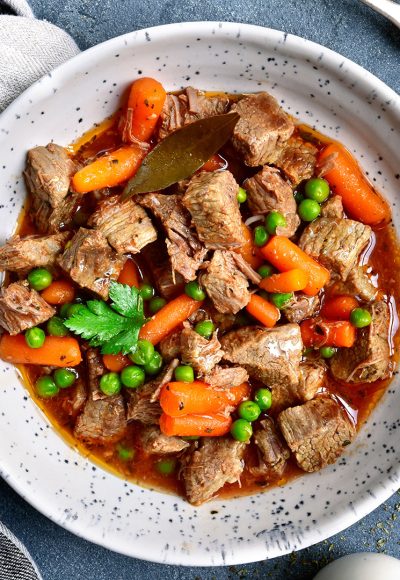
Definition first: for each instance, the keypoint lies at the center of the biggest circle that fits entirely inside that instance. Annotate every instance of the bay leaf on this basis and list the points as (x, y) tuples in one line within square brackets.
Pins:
[(181, 153)]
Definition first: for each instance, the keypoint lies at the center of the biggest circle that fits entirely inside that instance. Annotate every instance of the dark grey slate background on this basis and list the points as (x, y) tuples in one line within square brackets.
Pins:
[(352, 30)]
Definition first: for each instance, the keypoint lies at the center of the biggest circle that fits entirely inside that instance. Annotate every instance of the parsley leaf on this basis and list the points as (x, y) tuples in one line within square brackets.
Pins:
[(115, 327)]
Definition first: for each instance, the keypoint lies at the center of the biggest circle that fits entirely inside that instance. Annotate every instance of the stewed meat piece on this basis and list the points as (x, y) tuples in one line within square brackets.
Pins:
[(76, 398), (301, 307), (333, 208), (211, 198), (357, 283), (91, 262), (153, 441), (167, 281), (102, 420), (23, 254), (297, 160), (170, 347), (312, 378), (200, 353), (262, 130), (51, 220), (316, 432), (126, 225), (273, 452), (22, 308), (223, 376)]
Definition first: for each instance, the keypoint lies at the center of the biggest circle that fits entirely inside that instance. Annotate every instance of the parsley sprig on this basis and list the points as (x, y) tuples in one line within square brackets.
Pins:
[(114, 327)]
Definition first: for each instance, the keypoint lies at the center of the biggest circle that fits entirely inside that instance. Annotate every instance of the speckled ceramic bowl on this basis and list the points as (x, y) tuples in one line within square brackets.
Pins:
[(317, 86)]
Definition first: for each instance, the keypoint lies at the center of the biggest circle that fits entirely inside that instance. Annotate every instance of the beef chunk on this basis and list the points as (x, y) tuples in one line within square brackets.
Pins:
[(222, 376), (262, 130), (153, 441), (23, 254), (316, 432), (272, 451), (336, 243), (96, 370), (170, 347), (369, 359), (217, 461), (189, 106), (76, 398), (91, 262), (49, 220), (22, 308), (102, 420), (211, 198), (269, 355), (225, 284), (297, 160), (167, 282), (357, 282), (48, 173), (301, 307), (126, 225), (200, 353), (184, 248), (267, 191), (312, 377), (333, 208)]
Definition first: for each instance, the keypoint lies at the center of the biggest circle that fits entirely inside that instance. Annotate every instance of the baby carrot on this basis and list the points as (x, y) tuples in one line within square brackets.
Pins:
[(213, 425), (290, 281), (263, 311), (318, 332), (59, 292), (115, 362), (129, 274), (145, 103), (214, 163), (56, 351), (339, 307), (249, 251)]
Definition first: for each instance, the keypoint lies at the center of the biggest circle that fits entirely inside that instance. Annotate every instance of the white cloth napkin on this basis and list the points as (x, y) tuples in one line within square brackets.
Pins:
[(29, 48)]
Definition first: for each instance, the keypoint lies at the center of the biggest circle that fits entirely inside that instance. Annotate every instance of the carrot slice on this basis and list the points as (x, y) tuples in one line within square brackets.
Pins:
[(109, 170), (59, 292), (263, 311), (214, 163), (346, 179), (195, 425), (56, 351), (339, 307), (129, 274), (168, 318), (145, 103), (290, 281), (115, 362), (249, 251), (319, 332), (285, 255)]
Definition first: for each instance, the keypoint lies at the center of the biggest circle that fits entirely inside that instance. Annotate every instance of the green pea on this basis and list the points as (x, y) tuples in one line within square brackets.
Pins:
[(39, 279), (242, 195), (56, 327), (74, 309), (249, 410), (265, 270), (64, 309), (110, 384), (64, 378), (143, 352), (35, 337), (260, 236), (327, 351), (156, 304), (274, 220), (317, 189), (45, 387), (125, 453), (205, 328), (154, 365), (281, 299), (309, 210), (184, 373), (146, 291), (132, 377), (359, 317), (241, 430), (195, 291), (263, 398), (166, 466)]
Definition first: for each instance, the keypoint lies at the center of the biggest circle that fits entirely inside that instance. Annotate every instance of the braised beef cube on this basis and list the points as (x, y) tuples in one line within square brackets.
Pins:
[(273, 452), (225, 284), (200, 353), (76, 398), (312, 378), (23, 254), (267, 191), (153, 441), (357, 283), (270, 355), (22, 308), (301, 307), (96, 370), (49, 220), (297, 160), (102, 420), (189, 106), (90, 261), (168, 283), (211, 198), (206, 470), (316, 432), (222, 376), (183, 246), (369, 359), (48, 173), (333, 207), (126, 225), (170, 347), (336, 243), (262, 130)]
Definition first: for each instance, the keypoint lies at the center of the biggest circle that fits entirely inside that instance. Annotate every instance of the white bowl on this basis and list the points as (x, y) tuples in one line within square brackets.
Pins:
[(317, 86)]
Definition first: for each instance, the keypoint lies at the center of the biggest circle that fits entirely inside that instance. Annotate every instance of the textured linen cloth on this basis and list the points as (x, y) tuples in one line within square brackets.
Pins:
[(15, 561), (29, 49)]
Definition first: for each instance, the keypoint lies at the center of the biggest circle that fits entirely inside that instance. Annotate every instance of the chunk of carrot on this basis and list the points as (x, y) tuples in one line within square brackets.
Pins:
[(360, 200), (115, 362), (263, 311), (145, 103), (195, 425), (168, 318), (339, 307), (109, 170), (317, 332), (214, 163), (129, 274), (59, 292), (56, 351), (285, 255), (249, 251), (290, 281)]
